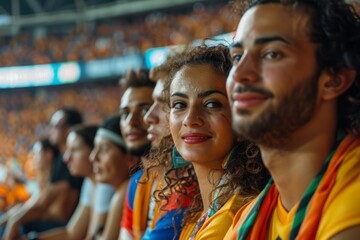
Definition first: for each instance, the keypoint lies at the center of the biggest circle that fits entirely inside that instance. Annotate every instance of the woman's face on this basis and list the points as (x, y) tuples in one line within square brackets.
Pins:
[(109, 161), (77, 156), (41, 158), (200, 115)]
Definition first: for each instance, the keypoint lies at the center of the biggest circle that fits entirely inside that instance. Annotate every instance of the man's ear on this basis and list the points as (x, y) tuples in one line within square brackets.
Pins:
[(333, 84)]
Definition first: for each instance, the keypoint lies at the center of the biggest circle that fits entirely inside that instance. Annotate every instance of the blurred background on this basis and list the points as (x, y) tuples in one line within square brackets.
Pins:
[(56, 53)]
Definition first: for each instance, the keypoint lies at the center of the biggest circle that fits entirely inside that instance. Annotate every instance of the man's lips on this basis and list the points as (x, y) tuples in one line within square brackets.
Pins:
[(246, 100), (194, 138), (136, 136), (70, 167)]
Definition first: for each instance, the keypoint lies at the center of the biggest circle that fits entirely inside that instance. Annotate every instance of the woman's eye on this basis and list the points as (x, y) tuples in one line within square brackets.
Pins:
[(177, 105), (213, 104)]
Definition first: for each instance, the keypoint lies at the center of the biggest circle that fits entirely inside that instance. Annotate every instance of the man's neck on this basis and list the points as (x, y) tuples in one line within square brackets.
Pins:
[(294, 166)]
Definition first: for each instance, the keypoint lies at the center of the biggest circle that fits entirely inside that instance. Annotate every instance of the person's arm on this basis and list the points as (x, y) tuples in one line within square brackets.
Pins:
[(97, 223), (112, 226), (45, 200), (18, 209), (100, 208), (12, 211), (10, 219), (75, 229), (36, 210)]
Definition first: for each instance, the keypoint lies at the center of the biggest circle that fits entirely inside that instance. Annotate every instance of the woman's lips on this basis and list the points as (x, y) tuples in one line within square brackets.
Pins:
[(195, 138)]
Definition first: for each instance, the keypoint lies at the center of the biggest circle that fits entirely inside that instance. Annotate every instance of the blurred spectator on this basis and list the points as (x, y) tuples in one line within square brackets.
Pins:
[(111, 166), (43, 153), (45, 213), (24, 114), (91, 212)]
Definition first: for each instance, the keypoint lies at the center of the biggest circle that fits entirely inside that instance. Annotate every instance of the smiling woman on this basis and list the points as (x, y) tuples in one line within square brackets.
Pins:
[(223, 172)]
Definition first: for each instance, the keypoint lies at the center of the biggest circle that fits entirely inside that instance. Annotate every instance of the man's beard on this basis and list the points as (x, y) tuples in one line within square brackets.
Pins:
[(140, 151), (275, 125), (160, 154)]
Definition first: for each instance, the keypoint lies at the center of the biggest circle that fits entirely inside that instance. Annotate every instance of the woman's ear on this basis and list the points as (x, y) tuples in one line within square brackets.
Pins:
[(332, 85)]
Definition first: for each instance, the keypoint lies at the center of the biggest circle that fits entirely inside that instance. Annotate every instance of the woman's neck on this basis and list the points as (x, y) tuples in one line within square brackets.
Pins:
[(208, 179)]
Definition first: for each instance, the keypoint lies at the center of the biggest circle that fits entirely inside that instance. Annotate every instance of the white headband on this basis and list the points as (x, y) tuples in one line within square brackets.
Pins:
[(103, 132)]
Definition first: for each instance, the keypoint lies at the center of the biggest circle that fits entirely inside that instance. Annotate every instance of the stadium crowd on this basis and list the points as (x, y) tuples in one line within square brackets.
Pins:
[(25, 113), (256, 140), (29, 108), (116, 37)]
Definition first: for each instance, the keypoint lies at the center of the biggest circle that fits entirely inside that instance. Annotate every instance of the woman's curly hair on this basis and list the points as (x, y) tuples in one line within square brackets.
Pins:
[(334, 27), (245, 173)]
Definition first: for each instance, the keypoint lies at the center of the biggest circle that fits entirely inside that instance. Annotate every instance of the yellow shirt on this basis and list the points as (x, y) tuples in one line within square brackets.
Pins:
[(217, 225), (281, 220), (341, 210)]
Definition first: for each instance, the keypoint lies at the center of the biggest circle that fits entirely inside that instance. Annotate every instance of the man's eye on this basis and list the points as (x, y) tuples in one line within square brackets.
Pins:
[(272, 55), (236, 58), (144, 111), (124, 114)]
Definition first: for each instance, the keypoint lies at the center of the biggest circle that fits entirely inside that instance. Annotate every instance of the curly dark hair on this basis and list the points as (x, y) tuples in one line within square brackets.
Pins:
[(246, 173), (152, 162), (246, 176), (335, 29)]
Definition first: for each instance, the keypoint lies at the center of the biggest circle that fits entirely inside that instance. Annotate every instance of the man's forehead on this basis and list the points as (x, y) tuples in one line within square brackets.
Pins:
[(136, 96), (136, 104), (268, 20), (159, 93)]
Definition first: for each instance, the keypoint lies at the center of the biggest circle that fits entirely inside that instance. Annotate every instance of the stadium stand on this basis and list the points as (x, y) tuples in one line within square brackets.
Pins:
[(25, 112), (116, 36)]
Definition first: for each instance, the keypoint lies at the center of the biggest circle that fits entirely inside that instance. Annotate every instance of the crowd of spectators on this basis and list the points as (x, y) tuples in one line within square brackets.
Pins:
[(24, 114), (117, 37)]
